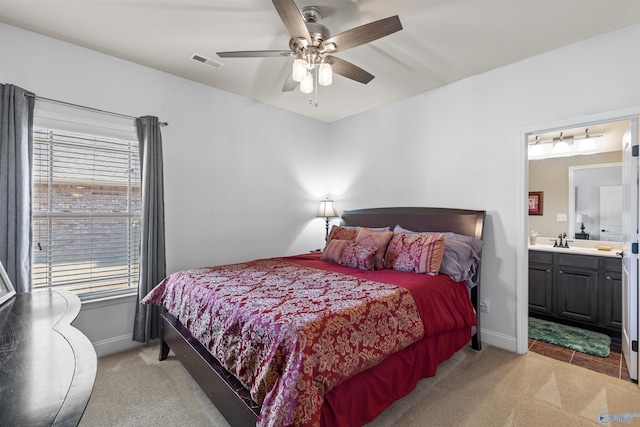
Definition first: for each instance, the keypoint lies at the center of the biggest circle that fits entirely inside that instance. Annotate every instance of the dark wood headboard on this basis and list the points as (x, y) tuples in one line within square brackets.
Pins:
[(461, 221)]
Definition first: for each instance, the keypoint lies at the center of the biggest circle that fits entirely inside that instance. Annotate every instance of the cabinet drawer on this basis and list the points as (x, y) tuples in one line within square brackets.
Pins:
[(541, 257), (613, 264), (582, 261)]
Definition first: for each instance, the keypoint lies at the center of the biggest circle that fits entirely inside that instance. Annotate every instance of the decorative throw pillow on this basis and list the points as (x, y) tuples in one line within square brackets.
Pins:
[(359, 256), (333, 251), (379, 239), (418, 253), (342, 233), (461, 256)]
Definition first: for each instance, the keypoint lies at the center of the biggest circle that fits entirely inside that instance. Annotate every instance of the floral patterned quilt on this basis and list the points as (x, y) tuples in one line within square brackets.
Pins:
[(288, 332)]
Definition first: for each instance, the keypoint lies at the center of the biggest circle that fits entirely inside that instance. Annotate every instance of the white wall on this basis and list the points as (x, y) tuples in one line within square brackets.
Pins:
[(242, 180), (457, 146), (226, 156)]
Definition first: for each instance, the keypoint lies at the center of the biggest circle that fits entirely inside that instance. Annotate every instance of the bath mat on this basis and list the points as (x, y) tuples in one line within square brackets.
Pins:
[(577, 339)]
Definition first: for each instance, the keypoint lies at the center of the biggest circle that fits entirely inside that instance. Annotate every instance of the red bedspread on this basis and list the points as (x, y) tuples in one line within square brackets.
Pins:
[(442, 303), (291, 329)]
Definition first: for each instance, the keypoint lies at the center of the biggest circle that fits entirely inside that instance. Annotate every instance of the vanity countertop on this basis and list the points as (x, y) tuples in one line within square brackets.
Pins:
[(577, 250)]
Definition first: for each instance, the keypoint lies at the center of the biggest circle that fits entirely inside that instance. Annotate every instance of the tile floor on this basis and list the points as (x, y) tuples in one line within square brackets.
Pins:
[(614, 365)]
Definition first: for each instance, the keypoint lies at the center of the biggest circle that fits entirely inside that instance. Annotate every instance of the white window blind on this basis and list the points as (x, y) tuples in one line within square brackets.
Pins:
[(86, 212)]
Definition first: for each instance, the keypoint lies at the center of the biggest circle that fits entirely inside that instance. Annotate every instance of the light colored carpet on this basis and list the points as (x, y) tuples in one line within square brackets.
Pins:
[(488, 388)]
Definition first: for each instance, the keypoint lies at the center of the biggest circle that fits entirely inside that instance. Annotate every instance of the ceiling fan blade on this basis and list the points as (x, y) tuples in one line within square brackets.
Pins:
[(255, 54), (290, 84), (292, 19), (364, 33), (348, 70)]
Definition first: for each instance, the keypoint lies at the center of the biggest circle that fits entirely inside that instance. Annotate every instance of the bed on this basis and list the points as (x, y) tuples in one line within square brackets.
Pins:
[(329, 374)]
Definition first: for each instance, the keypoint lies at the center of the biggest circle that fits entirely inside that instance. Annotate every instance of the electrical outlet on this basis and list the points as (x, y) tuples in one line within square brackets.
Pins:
[(561, 217), (484, 306)]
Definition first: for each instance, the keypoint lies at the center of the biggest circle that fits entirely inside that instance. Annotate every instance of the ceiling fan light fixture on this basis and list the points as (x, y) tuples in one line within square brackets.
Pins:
[(325, 74), (306, 85), (299, 69), (311, 42)]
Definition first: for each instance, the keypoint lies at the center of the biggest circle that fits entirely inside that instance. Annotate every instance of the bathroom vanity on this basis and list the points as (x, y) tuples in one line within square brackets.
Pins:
[(577, 286)]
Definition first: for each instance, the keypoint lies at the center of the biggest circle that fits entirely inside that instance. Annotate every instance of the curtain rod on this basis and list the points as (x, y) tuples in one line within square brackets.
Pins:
[(88, 108)]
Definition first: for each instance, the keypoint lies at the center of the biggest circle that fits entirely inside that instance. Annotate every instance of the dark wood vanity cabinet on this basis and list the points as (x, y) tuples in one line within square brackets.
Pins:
[(576, 287), (612, 298), (579, 290), (540, 282)]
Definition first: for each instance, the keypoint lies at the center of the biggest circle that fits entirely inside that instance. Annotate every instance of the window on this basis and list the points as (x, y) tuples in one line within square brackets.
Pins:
[(86, 212)]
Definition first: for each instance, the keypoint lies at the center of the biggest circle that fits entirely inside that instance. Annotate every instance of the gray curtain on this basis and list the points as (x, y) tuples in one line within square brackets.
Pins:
[(152, 253), (16, 149)]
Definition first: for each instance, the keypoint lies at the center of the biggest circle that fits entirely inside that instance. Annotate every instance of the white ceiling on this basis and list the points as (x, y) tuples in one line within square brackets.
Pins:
[(442, 41)]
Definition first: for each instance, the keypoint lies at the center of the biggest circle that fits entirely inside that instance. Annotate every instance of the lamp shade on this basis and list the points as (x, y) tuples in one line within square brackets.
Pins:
[(582, 217), (536, 150), (561, 147), (327, 209), (587, 144)]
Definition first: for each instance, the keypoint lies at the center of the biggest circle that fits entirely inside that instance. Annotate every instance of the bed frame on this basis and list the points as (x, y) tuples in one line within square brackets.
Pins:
[(225, 391)]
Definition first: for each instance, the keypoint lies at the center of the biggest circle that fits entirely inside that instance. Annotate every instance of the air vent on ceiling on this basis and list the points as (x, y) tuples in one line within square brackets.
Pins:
[(207, 61)]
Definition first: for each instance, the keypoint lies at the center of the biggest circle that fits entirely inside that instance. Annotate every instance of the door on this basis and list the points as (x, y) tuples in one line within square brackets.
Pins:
[(630, 285), (611, 213)]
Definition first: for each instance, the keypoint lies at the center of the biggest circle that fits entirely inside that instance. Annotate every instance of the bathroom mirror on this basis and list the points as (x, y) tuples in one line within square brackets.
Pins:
[(595, 202)]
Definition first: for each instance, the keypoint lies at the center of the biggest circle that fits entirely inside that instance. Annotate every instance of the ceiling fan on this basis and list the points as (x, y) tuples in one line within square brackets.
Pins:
[(312, 46)]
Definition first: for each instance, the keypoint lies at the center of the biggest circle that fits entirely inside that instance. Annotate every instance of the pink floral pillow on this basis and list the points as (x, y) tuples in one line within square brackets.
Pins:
[(359, 256), (379, 239), (333, 251), (418, 253), (342, 233)]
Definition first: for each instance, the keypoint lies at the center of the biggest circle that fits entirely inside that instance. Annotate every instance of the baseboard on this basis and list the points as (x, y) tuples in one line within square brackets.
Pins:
[(115, 345), (495, 339)]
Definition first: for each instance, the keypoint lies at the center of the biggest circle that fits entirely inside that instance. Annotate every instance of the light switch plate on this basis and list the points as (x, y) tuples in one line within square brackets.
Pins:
[(561, 217)]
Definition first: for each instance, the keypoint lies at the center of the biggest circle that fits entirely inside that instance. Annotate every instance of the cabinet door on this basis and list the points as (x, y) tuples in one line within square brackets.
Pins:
[(577, 294), (540, 288), (612, 300)]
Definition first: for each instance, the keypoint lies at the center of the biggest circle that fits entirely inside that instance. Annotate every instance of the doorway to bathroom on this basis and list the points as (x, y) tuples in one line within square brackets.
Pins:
[(559, 218)]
